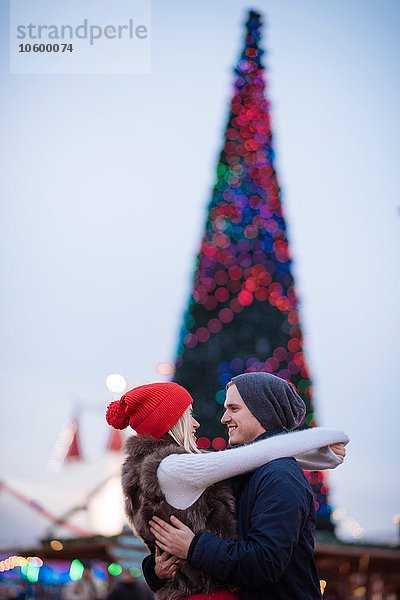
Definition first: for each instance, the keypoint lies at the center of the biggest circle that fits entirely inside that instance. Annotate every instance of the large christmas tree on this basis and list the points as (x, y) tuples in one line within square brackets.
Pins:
[(242, 314)]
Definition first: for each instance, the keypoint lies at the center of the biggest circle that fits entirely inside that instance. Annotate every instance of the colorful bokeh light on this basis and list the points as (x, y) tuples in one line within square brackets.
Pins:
[(242, 314), (114, 569)]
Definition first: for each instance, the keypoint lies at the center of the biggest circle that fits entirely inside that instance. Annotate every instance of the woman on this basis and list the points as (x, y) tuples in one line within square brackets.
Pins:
[(165, 473)]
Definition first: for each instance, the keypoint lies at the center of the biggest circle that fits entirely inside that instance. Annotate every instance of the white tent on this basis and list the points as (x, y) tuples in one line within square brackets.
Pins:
[(83, 498)]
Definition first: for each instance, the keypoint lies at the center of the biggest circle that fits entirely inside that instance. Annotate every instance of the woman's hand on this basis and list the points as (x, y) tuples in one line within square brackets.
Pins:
[(165, 564), (339, 450), (175, 538)]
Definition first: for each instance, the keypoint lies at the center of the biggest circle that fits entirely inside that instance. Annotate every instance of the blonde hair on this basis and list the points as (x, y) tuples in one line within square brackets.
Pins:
[(181, 432)]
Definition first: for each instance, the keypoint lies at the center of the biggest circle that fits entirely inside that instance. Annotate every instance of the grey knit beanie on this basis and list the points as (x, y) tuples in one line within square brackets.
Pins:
[(272, 400)]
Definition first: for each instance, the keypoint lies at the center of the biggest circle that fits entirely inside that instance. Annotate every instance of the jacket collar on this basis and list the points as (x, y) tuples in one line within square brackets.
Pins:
[(239, 481), (263, 436), (271, 433)]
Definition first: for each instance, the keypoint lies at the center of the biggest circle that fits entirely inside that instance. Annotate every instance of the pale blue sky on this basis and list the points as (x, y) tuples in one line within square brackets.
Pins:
[(105, 182)]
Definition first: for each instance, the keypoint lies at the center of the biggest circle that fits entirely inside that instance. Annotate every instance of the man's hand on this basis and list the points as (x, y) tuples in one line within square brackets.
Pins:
[(339, 450), (165, 565), (174, 539)]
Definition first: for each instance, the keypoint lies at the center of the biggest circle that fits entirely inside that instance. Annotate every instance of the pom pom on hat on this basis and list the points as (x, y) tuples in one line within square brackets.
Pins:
[(116, 416)]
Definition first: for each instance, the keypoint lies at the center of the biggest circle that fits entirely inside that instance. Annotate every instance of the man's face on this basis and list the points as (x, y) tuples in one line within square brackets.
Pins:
[(242, 425)]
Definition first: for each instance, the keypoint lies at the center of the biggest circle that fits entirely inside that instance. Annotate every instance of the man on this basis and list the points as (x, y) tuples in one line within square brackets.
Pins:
[(273, 559)]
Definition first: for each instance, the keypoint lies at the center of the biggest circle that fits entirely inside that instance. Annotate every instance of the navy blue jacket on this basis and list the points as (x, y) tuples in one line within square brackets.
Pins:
[(273, 560)]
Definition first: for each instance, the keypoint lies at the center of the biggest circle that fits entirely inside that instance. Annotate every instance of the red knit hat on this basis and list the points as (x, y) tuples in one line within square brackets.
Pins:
[(150, 409)]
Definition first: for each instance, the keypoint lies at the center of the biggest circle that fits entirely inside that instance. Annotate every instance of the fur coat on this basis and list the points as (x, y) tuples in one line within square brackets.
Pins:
[(214, 511)]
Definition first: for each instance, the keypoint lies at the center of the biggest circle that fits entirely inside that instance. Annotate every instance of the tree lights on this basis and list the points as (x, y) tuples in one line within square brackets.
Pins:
[(242, 313)]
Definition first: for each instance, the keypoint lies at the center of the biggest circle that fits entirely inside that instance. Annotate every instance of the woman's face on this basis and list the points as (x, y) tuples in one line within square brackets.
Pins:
[(194, 424)]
